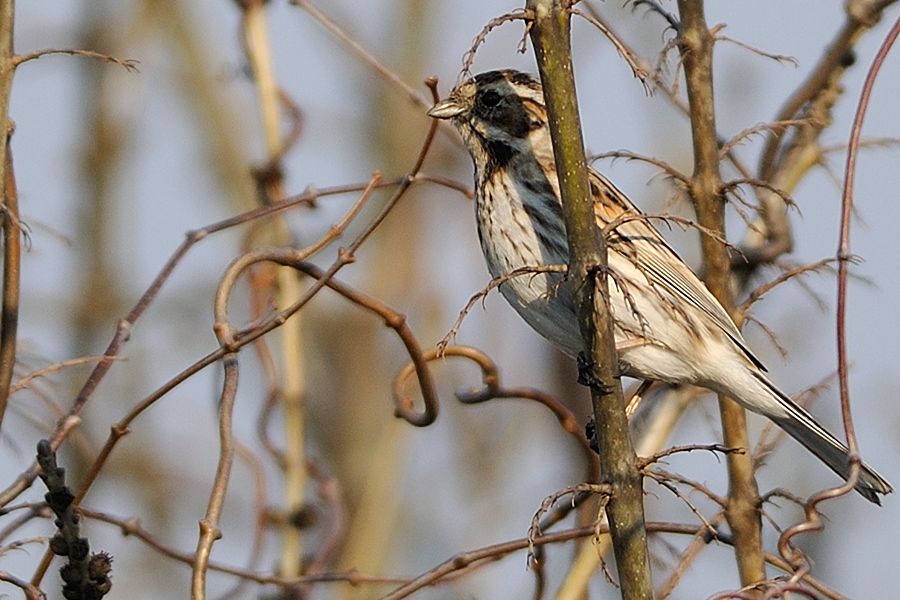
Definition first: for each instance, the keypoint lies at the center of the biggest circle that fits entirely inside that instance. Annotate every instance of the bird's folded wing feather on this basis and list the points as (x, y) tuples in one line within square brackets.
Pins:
[(658, 261)]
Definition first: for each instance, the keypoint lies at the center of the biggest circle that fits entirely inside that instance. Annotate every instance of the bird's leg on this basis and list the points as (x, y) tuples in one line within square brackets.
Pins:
[(586, 375), (590, 432)]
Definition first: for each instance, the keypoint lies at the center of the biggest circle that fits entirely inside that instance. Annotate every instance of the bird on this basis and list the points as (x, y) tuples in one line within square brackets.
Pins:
[(667, 325)]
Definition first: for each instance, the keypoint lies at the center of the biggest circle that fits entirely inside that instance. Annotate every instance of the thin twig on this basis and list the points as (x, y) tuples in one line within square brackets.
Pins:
[(469, 57), (255, 550), (364, 55), (813, 520), (492, 388), (129, 64), (209, 525), (132, 527), (26, 478), (638, 70)]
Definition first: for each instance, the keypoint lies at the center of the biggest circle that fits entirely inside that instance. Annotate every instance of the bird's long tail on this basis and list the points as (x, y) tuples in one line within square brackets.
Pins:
[(803, 427)]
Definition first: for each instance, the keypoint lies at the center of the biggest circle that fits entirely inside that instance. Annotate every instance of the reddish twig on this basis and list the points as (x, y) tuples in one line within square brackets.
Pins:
[(12, 255), (132, 527), (209, 524), (123, 330), (492, 388), (813, 521)]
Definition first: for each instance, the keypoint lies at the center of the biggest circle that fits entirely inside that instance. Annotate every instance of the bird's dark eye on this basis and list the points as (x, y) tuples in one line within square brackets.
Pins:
[(490, 99)]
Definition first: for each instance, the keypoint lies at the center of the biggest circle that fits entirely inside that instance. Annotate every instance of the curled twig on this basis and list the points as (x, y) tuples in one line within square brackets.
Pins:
[(492, 389), (397, 322), (345, 256), (603, 490)]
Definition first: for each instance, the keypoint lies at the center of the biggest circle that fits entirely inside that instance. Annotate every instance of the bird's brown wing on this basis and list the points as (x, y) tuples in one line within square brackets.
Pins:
[(639, 241)]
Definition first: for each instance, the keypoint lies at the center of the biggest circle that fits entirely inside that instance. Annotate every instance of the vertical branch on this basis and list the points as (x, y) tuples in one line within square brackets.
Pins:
[(292, 383), (588, 260), (813, 520), (11, 223), (12, 251), (256, 38), (696, 49), (844, 256), (209, 525)]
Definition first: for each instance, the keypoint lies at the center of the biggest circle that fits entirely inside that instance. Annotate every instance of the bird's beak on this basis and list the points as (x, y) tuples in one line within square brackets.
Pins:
[(446, 109)]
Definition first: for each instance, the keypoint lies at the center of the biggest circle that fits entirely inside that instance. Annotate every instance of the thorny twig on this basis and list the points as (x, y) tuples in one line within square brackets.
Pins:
[(780, 58), (422, 177), (668, 169), (714, 448), (767, 287), (665, 480), (482, 294), (637, 69), (534, 529), (516, 15)]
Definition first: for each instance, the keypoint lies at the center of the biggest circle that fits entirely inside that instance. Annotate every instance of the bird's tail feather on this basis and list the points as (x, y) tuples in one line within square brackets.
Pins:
[(803, 427)]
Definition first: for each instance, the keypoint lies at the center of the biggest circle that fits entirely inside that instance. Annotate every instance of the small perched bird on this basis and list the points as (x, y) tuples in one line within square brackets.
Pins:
[(668, 326)]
